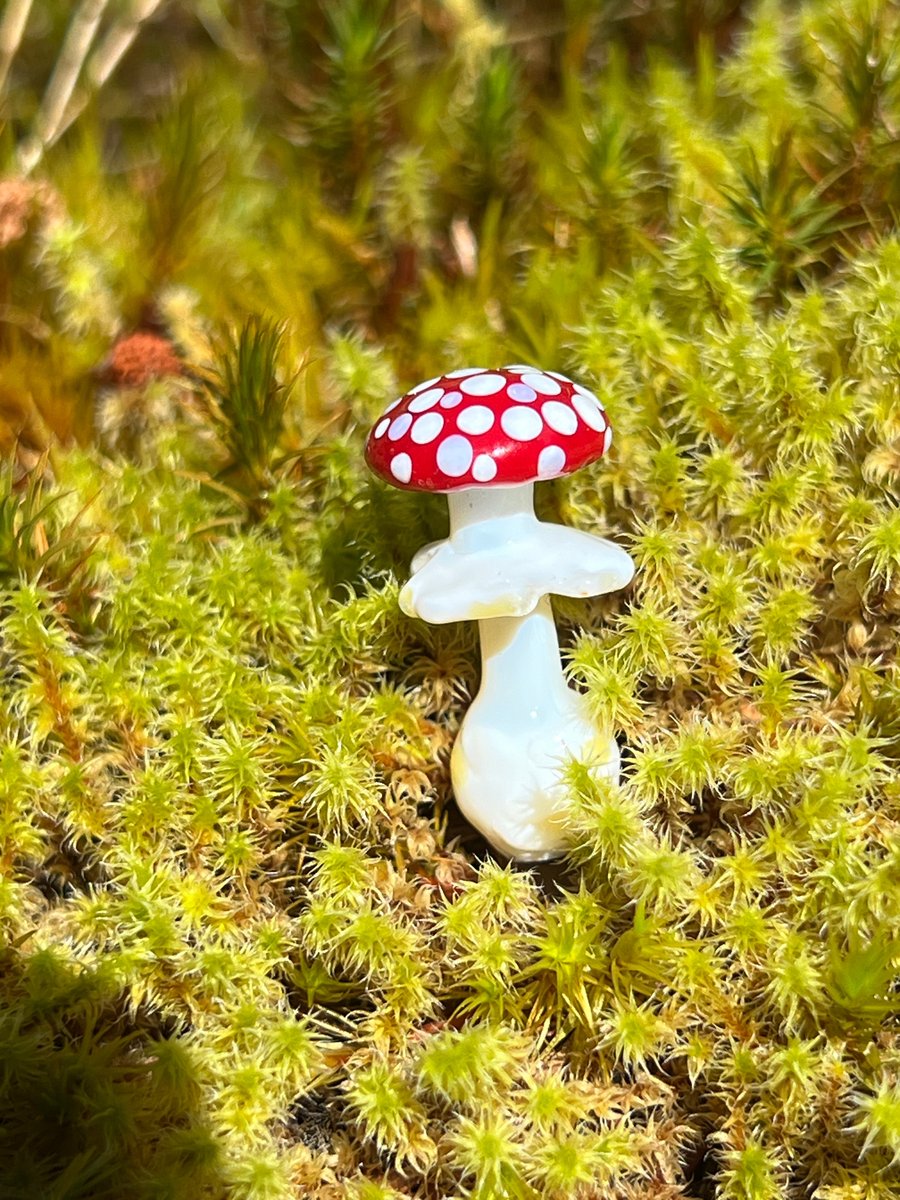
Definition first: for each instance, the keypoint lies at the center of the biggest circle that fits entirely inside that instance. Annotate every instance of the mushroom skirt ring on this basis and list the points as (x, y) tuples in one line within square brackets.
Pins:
[(484, 437)]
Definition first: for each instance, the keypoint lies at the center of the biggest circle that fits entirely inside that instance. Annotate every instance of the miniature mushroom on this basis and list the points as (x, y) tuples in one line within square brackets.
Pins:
[(484, 437)]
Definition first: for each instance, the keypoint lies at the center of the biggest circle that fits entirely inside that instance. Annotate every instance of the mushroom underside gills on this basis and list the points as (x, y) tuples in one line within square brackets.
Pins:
[(508, 762), (515, 561)]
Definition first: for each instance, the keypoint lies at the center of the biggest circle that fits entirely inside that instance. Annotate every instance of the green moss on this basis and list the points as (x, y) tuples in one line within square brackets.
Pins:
[(250, 948)]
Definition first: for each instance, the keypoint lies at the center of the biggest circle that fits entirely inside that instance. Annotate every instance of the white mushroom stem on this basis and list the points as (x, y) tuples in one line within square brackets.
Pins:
[(525, 721), (521, 669), (471, 508), (498, 567), (508, 760)]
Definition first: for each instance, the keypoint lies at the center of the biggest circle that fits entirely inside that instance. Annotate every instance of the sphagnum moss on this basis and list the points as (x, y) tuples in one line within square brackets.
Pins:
[(249, 950)]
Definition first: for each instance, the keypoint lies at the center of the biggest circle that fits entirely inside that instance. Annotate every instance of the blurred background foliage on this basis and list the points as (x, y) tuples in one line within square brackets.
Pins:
[(249, 949), (379, 166)]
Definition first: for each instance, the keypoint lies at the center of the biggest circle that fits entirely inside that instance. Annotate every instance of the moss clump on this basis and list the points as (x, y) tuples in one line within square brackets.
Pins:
[(249, 950)]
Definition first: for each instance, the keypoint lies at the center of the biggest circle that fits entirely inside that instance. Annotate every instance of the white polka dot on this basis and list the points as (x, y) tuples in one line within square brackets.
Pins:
[(381, 427), (542, 383), (607, 438), (399, 426), (463, 372), (518, 367), (583, 391), (522, 424), (477, 419), (482, 385), (551, 461), (559, 416), (426, 400), (451, 399), (420, 387), (392, 405), (590, 411), (484, 468), (401, 467), (561, 378), (454, 456), (427, 428), (521, 392)]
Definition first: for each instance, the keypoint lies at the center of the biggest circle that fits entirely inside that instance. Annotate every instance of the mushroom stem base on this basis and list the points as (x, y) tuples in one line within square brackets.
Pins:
[(525, 723)]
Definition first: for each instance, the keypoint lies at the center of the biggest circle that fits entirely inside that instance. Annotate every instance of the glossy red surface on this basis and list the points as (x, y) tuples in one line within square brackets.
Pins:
[(478, 427)]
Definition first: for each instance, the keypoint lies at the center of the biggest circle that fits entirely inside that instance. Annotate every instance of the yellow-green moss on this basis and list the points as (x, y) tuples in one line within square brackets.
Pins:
[(249, 948)]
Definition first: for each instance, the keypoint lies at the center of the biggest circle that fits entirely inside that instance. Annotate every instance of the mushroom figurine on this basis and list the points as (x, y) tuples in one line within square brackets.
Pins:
[(484, 437)]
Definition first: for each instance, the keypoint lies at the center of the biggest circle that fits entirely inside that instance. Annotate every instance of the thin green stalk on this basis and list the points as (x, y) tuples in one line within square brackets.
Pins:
[(12, 30), (75, 50)]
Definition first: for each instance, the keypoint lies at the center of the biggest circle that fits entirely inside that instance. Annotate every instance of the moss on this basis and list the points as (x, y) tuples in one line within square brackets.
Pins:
[(250, 949)]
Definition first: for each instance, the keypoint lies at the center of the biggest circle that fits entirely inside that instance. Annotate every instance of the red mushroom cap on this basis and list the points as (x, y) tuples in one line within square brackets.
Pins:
[(484, 428)]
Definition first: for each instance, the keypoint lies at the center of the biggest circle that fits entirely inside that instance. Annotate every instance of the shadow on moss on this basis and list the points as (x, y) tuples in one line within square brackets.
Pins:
[(99, 1101)]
